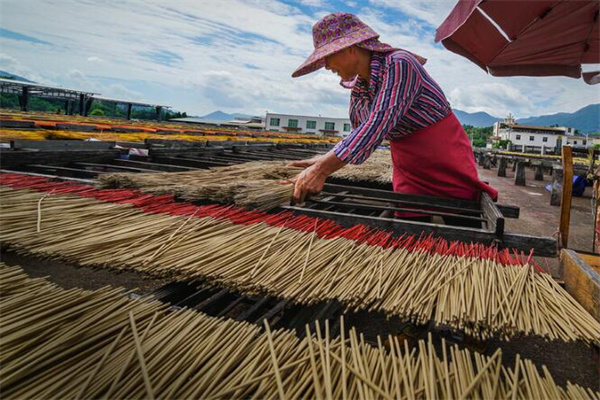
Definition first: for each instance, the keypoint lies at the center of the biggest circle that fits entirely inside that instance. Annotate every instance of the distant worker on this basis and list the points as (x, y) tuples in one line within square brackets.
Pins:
[(393, 98)]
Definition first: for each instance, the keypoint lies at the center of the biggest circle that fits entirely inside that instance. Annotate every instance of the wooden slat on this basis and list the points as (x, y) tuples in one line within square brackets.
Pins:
[(344, 194), (54, 177), (153, 166), (12, 159), (509, 211), (61, 144), (114, 168), (582, 280), (398, 209), (565, 204), (399, 197), (73, 172), (492, 215)]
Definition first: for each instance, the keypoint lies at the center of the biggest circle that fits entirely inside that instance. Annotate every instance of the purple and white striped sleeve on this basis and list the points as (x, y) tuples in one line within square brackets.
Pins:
[(399, 88)]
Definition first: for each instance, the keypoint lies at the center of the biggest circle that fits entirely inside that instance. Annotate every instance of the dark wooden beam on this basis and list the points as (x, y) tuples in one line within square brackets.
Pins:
[(62, 171), (349, 195), (492, 215), (13, 159), (152, 166), (362, 206), (111, 167), (542, 246), (567, 192), (400, 197)]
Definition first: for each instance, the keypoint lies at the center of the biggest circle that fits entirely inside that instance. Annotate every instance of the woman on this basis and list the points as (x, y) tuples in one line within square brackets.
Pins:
[(392, 97)]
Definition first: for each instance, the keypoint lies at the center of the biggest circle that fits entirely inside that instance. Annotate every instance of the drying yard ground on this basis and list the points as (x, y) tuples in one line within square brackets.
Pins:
[(566, 361), (538, 217)]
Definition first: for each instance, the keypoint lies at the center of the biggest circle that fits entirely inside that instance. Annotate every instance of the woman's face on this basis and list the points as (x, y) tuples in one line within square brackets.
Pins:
[(344, 63)]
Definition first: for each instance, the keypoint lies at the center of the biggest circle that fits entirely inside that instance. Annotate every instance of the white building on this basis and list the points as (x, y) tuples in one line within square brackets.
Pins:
[(537, 139), (322, 126)]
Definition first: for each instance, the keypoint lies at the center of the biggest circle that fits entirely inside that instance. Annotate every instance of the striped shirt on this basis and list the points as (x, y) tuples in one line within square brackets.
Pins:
[(401, 98)]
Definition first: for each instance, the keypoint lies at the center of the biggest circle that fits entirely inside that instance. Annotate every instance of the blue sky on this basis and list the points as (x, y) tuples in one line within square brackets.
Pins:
[(238, 55)]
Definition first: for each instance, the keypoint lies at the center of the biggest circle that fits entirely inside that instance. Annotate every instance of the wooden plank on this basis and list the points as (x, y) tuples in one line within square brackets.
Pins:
[(166, 143), (114, 168), (60, 144), (582, 281), (541, 245), (72, 172), (565, 203), (492, 215), (399, 226), (78, 127), (539, 172), (520, 174), (185, 152), (509, 211), (399, 197), (13, 159), (189, 162), (349, 195), (502, 166), (153, 166), (54, 177), (16, 124), (391, 208)]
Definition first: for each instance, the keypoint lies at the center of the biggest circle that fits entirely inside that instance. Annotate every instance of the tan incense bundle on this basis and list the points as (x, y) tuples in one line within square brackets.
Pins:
[(258, 185), (479, 296), (251, 185), (377, 168), (76, 344)]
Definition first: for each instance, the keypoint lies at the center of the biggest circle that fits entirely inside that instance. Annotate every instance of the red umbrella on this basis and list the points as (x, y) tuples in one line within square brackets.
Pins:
[(530, 38)]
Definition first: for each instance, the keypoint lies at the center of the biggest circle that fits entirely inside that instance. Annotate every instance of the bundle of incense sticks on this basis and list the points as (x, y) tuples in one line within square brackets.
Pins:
[(258, 185), (253, 185), (73, 343), (323, 228), (377, 168), (477, 295)]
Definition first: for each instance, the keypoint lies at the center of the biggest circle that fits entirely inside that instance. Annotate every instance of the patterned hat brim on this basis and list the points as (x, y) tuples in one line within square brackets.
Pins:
[(316, 60)]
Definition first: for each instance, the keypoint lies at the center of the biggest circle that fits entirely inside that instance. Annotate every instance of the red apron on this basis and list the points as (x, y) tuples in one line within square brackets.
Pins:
[(437, 161)]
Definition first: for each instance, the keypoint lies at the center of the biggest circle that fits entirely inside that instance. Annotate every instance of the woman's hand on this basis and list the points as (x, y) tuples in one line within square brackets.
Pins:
[(312, 179), (309, 181)]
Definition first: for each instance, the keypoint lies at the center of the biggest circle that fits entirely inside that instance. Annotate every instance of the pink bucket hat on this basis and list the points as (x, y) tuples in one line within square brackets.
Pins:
[(338, 31)]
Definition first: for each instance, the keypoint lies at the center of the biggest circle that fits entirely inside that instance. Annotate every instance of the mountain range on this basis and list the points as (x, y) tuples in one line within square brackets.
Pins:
[(221, 116), (585, 120), (8, 75), (479, 119)]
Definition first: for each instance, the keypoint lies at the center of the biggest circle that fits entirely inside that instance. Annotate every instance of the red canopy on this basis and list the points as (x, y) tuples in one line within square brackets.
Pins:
[(531, 38)]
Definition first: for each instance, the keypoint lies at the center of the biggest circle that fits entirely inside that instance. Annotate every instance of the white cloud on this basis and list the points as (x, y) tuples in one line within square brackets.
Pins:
[(497, 99), (431, 11), (238, 55), (312, 3), (12, 65), (119, 91)]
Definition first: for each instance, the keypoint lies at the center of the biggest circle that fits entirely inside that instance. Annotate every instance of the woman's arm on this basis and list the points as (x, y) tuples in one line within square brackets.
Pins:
[(400, 86)]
